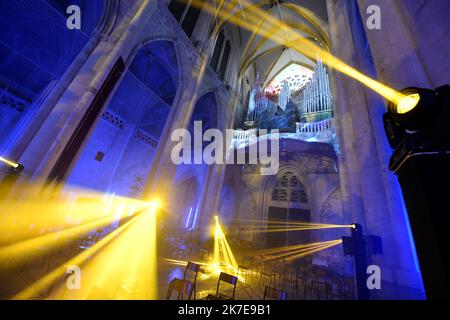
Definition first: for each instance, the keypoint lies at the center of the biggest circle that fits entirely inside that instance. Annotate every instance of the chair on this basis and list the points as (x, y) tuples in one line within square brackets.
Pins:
[(321, 275), (289, 278), (274, 294), (227, 278), (191, 273), (267, 271), (204, 256), (345, 289), (184, 289), (246, 266)]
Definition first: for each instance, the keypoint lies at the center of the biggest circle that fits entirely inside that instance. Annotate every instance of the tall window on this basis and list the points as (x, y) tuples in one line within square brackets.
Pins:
[(187, 16), (190, 20), (289, 188), (177, 7), (221, 54), (217, 51), (224, 61)]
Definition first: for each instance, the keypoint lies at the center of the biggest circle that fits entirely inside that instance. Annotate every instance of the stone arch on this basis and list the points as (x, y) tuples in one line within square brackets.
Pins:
[(184, 64), (227, 205), (221, 103), (269, 184), (206, 109), (332, 211), (181, 65), (141, 104), (184, 200)]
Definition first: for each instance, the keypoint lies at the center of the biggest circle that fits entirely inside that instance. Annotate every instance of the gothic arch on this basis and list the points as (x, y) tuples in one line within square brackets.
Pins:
[(180, 66), (184, 204), (206, 108), (183, 65), (228, 204), (268, 185)]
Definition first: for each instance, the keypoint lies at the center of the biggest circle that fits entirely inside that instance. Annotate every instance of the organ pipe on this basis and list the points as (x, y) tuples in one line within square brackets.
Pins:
[(316, 96)]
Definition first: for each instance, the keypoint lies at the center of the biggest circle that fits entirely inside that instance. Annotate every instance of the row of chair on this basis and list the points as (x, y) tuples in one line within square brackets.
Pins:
[(300, 281), (185, 288)]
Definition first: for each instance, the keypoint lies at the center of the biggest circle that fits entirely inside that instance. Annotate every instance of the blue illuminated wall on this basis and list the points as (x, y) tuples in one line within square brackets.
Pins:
[(35, 49), (128, 133)]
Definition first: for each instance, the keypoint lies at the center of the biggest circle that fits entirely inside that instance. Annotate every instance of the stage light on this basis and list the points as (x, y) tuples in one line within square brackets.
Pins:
[(420, 115), (355, 246), (417, 109), (155, 204), (9, 163), (418, 130)]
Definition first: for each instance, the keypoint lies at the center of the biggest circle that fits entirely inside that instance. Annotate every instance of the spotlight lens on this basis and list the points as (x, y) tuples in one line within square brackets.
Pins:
[(408, 103), (155, 203)]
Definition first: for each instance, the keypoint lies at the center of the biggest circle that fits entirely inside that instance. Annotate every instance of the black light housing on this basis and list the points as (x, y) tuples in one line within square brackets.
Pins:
[(422, 114), (418, 112), (418, 129)]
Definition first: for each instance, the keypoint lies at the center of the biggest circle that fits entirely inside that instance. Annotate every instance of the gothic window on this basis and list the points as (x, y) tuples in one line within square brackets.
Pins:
[(224, 62), (190, 20), (177, 7), (290, 185), (217, 50), (187, 16)]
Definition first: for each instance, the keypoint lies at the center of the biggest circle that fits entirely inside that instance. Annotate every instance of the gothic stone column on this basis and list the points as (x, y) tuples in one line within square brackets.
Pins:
[(364, 176)]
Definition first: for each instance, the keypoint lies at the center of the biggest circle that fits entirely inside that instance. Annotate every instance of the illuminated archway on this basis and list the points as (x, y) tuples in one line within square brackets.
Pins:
[(118, 156)]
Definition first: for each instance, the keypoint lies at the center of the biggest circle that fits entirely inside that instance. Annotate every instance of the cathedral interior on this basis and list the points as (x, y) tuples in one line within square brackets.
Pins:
[(92, 203)]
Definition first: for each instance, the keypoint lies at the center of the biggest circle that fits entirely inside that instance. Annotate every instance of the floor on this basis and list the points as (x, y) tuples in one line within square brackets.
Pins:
[(246, 289)]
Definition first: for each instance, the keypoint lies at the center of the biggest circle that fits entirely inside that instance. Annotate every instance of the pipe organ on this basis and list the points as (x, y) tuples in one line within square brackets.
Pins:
[(309, 112), (315, 101)]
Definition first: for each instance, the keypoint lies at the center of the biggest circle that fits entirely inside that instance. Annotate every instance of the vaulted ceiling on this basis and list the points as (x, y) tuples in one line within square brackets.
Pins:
[(271, 53)]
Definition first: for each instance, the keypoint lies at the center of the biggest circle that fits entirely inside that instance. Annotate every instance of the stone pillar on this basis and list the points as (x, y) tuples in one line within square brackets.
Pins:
[(47, 144), (394, 47), (163, 170), (15, 137), (210, 196), (48, 100), (369, 190)]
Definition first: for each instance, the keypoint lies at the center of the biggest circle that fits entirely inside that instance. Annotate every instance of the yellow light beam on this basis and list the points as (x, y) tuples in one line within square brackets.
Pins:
[(304, 254), (12, 254), (53, 276), (9, 163), (296, 254), (305, 47), (290, 248), (222, 250), (290, 222), (273, 230)]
